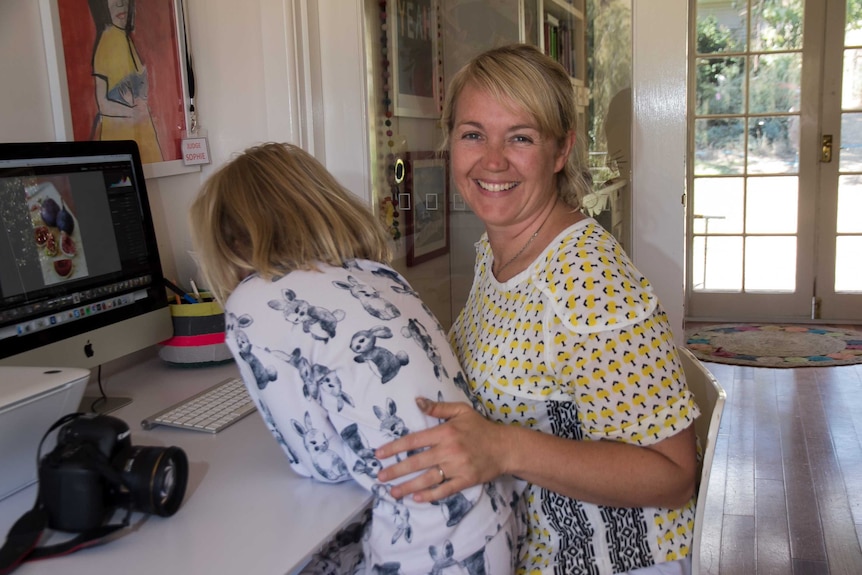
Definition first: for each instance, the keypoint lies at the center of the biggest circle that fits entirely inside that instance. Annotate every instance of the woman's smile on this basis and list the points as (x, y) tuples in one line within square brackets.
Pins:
[(495, 187)]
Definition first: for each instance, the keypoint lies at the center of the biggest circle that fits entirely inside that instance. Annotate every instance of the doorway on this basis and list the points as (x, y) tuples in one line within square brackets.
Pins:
[(775, 170)]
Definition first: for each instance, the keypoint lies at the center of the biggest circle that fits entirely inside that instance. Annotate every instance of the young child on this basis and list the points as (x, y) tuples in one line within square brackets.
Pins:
[(334, 346)]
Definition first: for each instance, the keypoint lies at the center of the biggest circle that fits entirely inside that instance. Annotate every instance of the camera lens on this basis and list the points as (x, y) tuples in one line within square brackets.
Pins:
[(157, 479), (168, 483)]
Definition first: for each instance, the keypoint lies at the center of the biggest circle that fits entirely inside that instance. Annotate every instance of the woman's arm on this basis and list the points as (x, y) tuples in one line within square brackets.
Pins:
[(472, 450), (134, 109)]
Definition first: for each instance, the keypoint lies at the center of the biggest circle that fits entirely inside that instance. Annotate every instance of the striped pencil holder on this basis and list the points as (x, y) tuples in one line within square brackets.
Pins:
[(198, 338)]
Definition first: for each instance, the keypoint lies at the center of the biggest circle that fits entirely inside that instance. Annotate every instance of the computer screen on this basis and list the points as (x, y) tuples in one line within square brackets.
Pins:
[(80, 276)]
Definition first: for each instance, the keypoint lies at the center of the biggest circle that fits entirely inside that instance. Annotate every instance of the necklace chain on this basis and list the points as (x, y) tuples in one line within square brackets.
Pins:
[(526, 245)]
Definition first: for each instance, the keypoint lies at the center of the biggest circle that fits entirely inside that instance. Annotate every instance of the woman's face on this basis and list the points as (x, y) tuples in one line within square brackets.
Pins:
[(501, 164), (119, 10)]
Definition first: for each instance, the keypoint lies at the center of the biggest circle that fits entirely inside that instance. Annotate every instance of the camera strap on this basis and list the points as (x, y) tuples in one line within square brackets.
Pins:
[(21, 541), (22, 538), (24, 535)]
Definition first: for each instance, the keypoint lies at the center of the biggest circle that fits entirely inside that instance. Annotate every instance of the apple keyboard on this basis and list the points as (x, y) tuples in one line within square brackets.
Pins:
[(211, 410)]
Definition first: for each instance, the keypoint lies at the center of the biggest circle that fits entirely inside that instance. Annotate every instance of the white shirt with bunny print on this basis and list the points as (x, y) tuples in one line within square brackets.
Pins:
[(334, 359), (576, 345)]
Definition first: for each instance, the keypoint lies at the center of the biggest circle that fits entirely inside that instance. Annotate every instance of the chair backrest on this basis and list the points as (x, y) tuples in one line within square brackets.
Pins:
[(710, 398)]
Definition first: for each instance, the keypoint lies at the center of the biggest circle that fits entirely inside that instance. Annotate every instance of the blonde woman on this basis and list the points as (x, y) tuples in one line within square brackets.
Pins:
[(563, 340)]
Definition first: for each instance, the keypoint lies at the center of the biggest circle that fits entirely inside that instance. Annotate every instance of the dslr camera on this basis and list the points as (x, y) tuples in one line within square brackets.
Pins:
[(94, 470)]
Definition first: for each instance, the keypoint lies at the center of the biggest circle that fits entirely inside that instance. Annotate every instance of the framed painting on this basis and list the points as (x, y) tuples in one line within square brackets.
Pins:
[(414, 57), (117, 71), (427, 221)]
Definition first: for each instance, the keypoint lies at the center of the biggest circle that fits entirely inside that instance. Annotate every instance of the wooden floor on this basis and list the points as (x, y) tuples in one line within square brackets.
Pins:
[(785, 494)]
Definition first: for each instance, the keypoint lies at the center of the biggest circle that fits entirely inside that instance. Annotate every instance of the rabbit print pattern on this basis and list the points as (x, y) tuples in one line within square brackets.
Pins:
[(335, 358)]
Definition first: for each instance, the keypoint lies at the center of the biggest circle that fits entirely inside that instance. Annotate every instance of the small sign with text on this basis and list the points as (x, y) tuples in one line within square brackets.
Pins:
[(195, 151)]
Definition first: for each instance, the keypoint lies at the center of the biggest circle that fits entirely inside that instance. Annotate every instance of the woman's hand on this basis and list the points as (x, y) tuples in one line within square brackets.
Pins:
[(468, 448), (472, 450)]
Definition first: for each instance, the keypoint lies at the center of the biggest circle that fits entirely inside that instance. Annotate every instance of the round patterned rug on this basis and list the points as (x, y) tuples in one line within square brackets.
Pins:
[(770, 345)]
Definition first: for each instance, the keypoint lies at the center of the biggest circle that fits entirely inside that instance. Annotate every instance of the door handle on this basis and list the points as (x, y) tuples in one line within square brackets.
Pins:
[(826, 148)]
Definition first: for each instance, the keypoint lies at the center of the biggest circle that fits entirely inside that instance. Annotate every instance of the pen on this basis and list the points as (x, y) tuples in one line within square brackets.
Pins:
[(171, 286), (195, 289)]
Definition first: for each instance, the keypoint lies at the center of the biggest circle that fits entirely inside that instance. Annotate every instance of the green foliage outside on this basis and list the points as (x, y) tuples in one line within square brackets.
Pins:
[(758, 76), (773, 55), (772, 64)]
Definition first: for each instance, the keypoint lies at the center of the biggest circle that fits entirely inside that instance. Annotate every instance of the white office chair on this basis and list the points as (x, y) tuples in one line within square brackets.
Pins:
[(710, 398)]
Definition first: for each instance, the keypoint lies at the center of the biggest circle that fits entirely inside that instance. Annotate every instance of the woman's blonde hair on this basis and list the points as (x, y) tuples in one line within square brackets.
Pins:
[(521, 74), (274, 209)]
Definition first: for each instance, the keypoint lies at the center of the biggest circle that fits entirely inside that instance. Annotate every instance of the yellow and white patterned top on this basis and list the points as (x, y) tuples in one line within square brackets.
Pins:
[(578, 346)]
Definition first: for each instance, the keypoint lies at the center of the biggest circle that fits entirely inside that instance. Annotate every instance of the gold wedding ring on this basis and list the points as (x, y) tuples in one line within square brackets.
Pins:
[(442, 475)]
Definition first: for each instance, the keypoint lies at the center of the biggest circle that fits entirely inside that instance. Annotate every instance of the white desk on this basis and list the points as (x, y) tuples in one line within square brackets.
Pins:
[(245, 510)]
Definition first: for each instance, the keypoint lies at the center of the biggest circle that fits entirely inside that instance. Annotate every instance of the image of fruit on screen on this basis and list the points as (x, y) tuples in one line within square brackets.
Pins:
[(56, 234)]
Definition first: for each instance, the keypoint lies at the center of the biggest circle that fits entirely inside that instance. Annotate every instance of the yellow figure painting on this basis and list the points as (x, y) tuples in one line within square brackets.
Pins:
[(120, 79)]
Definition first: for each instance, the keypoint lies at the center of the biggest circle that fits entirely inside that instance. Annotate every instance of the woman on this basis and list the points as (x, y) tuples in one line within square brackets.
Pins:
[(562, 339), (121, 80), (333, 346)]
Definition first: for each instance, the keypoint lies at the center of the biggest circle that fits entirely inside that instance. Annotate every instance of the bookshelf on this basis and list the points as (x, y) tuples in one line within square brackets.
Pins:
[(562, 34), (558, 28)]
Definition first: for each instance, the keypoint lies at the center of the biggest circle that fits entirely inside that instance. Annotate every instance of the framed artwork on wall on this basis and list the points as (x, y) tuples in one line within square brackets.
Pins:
[(414, 57), (427, 218), (117, 71)]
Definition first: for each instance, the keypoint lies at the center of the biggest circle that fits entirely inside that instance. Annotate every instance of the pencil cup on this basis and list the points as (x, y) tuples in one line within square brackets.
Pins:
[(198, 335)]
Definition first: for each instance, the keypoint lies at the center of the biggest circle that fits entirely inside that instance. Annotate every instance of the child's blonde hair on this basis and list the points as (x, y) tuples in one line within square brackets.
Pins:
[(274, 209)]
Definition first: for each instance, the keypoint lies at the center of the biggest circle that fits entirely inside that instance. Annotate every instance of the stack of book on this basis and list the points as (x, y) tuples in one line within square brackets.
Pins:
[(559, 42)]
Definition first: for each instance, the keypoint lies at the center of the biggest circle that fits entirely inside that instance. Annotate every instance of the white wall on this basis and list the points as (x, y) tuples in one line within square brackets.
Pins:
[(294, 70), (25, 104), (659, 38)]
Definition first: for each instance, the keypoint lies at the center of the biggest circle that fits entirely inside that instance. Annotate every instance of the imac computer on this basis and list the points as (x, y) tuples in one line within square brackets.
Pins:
[(80, 276)]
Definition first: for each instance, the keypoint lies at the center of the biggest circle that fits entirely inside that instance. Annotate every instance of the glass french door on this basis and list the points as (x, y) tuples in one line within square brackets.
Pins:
[(775, 161)]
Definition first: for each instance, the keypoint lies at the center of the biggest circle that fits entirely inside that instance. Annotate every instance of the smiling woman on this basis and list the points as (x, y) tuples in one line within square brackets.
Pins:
[(561, 340)]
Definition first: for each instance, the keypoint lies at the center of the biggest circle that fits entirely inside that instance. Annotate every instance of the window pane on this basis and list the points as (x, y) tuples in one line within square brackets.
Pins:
[(770, 264), (698, 267), (771, 205), (793, 140), (717, 262), (850, 155), (719, 146), (848, 272), (720, 86), (776, 25), (770, 150), (851, 84), (720, 27), (718, 205), (849, 205), (774, 83), (853, 24)]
